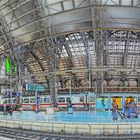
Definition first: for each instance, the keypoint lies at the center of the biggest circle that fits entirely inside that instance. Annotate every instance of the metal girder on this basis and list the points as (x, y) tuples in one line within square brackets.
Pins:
[(98, 39), (43, 33), (69, 54), (88, 59), (43, 38), (37, 59), (138, 81), (123, 75), (49, 15), (121, 53), (101, 69), (125, 50), (51, 52)]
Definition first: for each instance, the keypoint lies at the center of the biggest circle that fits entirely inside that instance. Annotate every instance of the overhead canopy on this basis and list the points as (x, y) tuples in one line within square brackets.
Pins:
[(95, 42)]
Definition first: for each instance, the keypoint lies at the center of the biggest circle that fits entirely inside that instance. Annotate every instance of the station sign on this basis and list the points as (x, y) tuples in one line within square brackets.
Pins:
[(14, 94), (34, 87)]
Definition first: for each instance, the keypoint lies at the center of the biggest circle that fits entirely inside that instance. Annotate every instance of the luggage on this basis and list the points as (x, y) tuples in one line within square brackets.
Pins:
[(121, 114)]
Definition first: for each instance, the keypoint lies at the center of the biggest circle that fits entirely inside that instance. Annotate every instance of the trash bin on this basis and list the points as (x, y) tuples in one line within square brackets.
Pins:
[(49, 111)]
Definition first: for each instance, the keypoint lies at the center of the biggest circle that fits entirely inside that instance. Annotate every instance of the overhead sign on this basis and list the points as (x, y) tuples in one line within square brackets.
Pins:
[(34, 87), (8, 93), (10, 68)]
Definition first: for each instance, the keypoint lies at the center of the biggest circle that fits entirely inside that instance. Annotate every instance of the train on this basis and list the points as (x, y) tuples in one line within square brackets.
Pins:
[(80, 101)]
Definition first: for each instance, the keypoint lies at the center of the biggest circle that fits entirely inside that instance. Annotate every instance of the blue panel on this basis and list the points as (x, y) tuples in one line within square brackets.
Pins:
[(102, 103)]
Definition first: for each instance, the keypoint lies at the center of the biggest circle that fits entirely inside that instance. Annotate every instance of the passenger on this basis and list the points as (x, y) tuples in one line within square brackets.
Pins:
[(69, 107), (133, 113), (69, 104), (20, 108), (114, 110), (10, 111), (4, 109), (126, 108)]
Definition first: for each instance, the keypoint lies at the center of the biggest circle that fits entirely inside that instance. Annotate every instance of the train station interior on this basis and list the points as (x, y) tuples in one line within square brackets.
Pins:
[(69, 69)]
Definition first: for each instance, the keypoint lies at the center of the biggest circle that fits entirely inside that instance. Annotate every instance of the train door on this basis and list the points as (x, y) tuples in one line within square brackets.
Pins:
[(102, 103), (91, 102), (118, 101)]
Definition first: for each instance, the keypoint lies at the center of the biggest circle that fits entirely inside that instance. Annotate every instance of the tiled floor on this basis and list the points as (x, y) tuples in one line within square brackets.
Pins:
[(76, 117)]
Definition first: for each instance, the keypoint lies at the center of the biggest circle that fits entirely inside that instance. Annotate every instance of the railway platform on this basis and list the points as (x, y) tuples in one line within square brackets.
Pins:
[(82, 123)]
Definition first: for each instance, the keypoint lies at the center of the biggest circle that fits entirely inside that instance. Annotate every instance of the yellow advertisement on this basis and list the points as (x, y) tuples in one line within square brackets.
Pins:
[(118, 101), (129, 98)]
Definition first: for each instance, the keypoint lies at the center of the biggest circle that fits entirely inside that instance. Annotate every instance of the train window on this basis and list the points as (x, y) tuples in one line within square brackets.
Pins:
[(5, 101), (9, 101), (14, 101), (22, 100), (67, 99), (46, 100), (32, 100), (26, 100), (61, 99), (82, 99), (92, 99)]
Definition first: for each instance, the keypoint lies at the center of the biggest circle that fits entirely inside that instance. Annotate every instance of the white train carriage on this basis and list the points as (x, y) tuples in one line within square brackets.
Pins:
[(28, 103), (78, 100)]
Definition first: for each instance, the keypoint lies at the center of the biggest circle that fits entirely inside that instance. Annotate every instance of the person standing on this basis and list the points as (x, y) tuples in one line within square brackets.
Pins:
[(126, 108), (133, 109), (69, 106), (114, 110)]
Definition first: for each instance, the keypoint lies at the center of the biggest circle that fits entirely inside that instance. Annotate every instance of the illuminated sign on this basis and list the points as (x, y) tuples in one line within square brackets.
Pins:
[(10, 68)]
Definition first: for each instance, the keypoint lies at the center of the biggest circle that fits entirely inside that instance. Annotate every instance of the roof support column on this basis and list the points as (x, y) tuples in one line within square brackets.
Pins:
[(98, 43), (99, 57), (51, 47)]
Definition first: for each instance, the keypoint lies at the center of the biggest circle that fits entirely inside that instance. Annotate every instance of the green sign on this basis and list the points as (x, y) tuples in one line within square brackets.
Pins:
[(10, 69), (34, 87), (40, 88)]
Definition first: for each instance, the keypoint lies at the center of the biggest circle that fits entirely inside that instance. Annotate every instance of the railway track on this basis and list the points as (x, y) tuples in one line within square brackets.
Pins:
[(21, 134)]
